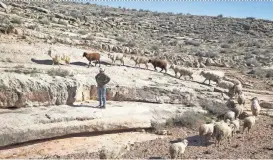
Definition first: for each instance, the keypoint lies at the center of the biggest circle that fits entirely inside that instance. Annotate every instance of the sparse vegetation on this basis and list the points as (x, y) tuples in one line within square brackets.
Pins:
[(44, 21), (188, 119), (58, 72)]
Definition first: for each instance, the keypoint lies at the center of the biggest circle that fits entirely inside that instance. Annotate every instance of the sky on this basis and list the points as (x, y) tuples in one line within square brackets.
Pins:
[(239, 9)]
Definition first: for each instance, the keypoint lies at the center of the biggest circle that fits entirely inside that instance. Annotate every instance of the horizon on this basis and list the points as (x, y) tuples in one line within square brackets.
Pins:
[(235, 9)]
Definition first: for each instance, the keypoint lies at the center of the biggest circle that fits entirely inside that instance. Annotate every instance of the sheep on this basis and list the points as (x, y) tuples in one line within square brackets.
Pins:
[(229, 115), (224, 84), (182, 71), (116, 56), (177, 149), (66, 59), (249, 122), (255, 106), (222, 131), (55, 59), (91, 57), (210, 76), (236, 128), (140, 60), (237, 89), (206, 130), (238, 110), (241, 99), (159, 63)]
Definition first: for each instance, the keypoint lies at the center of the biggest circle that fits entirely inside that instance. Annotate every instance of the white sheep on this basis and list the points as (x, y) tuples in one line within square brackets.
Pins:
[(206, 130), (182, 71), (255, 106), (116, 56), (249, 122), (224, 84), (210, 76), (229, 115), (177, 149), (140, 60), (222, 131), (236, 128), (56, 58)]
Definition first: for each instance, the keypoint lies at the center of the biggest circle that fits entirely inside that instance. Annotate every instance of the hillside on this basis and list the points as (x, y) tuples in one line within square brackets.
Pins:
[(50, 111)]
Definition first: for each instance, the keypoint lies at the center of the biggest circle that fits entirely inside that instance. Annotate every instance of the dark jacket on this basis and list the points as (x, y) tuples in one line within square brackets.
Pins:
[(102, 79)]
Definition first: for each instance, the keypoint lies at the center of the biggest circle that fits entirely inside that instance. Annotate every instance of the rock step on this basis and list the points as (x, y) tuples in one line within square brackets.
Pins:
[(27, 124)]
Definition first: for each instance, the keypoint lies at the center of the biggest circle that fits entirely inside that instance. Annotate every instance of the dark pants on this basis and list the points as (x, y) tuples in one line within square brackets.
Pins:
[(102, 95)]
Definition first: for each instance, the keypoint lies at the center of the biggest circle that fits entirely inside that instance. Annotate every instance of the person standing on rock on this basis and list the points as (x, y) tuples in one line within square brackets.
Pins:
[(102, 79)]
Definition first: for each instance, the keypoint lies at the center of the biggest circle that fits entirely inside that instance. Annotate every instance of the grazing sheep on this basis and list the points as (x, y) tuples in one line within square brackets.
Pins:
[(140, 60), (177, 149), (241, 99), (159, 63), (249, 122), (224, 84), (206, 130), (238, 110), (210, 76), (66, 59), (55, 59), (182, 71), (236, 128), (229, 115), (237, 89), (92, 57), (255, 106), (116, 56), (222, 131), (113, 151)]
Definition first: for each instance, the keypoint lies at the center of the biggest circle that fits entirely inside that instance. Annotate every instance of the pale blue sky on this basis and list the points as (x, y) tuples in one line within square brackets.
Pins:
[(263, 10)]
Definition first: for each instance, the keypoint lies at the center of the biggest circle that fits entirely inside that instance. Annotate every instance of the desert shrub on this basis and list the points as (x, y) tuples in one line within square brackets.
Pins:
[(16, 20), (83, 32), (63, 22), (58, 72), (90, 37), (224, 51), (214, 108), (252, 61), (120, 39), (262, 72), (250, 18), (33, 27), (220, 16), (131, 44), (192, 42), (155, 48), (189, 119), (225, 46), (158, 125), (44, 21)]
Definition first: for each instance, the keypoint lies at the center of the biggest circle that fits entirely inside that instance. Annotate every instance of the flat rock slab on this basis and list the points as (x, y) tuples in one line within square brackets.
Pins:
[(27, 124), (75, 145)]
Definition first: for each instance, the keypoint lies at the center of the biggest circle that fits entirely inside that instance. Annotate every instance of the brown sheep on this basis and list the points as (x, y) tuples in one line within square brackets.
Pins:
[(91, 57), (159, 63)]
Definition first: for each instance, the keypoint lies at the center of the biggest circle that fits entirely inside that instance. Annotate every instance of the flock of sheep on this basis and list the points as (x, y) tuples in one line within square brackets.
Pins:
[(228, 124)]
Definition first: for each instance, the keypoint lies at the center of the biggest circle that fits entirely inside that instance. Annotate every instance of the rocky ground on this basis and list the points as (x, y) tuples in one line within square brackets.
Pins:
[(46, 110)]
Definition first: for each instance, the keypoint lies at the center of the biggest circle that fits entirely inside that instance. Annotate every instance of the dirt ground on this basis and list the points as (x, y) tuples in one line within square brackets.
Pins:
[(257, 145)]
